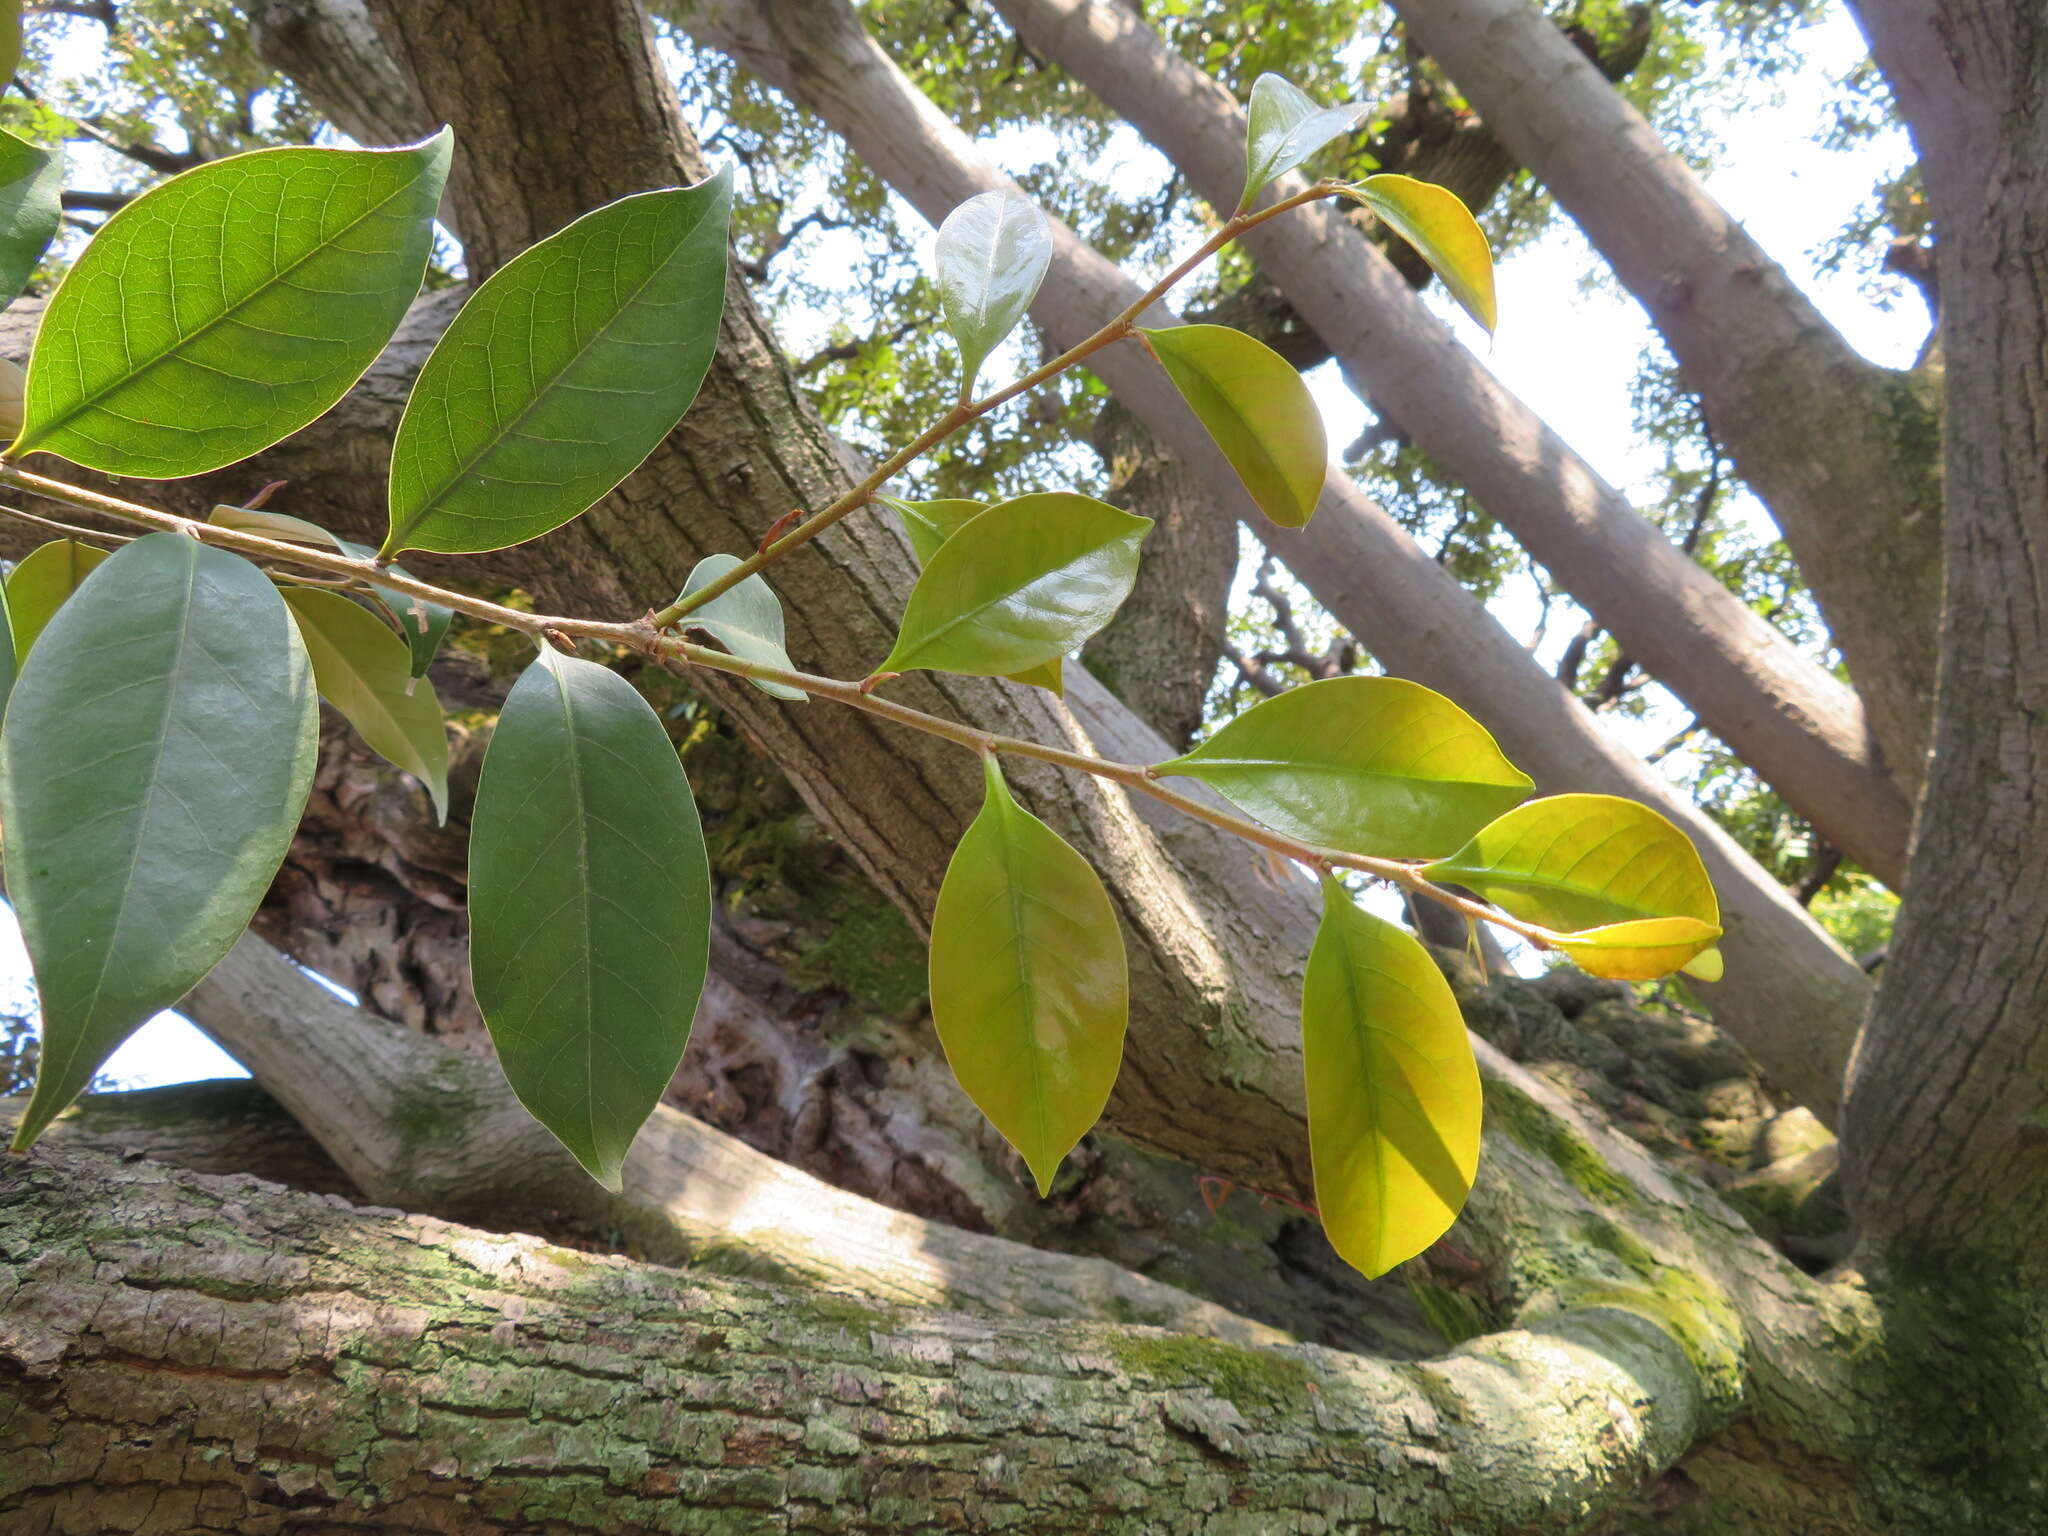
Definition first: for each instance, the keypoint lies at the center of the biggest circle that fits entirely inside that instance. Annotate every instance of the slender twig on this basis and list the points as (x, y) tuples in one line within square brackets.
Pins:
[(70, 530)]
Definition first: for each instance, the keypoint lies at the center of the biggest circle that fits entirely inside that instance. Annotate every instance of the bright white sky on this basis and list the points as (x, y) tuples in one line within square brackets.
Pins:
[(1570, 353)]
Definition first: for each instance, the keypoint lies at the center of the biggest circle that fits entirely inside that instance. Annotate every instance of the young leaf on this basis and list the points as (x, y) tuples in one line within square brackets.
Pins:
[(992, 254), (747, 620), (41, 584), (1373, 765), (1028, 983), (589, 905), (31, 184), (229, 306), (1049, 675), (929, 524), (158, 750), (1393, 1091), (1257, 410), (1284, 126), (1022, 584), (1644, 948), (561, 373), (1573, 862), (363, 670), (1443, 232)]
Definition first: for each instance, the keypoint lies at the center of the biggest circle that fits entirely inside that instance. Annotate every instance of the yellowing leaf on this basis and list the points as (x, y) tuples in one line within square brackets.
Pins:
[(1443, 232), (1706, 965), (1644, 949), (1258, 411), (1393, 1091), (39, 585)]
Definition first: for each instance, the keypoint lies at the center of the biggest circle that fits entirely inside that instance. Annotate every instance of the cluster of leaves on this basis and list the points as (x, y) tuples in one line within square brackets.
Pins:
[(159, 736)]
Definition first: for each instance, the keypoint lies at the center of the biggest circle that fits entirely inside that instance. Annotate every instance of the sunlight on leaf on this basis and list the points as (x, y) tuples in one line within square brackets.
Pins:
[(1443, 232), (1258, 411)]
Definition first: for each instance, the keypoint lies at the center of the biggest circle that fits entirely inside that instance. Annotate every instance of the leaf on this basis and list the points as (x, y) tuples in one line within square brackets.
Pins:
[(10, 40), (41, 584), (1393, 1091), (1258, 411), (1372, 765), (929, 524), (31, 186), (13, 382), (158, 750), (1572, 862), (363, 670), (1443, 232), (1705, 966), (1029, 989), (1284, 126), (7, 665), (589, 905), (227, 307), (562, 373), (1049, 675), (993, 252), (746, 620), (1644, 948), (1025, 582)]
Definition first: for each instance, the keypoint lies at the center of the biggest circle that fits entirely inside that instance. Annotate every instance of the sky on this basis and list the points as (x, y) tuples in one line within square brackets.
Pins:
[(1568, 349)]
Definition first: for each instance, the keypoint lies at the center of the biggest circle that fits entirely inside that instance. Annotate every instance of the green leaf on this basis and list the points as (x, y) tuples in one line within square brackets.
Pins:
[(158, 750), (746, 620), (1393, 1091), (589, 905), (1284, 126), (10, 40), (1025, 582), (363, 670), (1257, 409), (1443, 232), (7, 664), (42, 583), (1049, 675), (1572, 862), (229, 306), (1644, 949), (929, 524), (992, 254), (1029, 989), (562, 372), (31, 185), (1373, 765)]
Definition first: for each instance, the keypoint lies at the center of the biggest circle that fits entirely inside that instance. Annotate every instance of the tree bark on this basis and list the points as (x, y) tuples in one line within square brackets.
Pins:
[(1845, 454)]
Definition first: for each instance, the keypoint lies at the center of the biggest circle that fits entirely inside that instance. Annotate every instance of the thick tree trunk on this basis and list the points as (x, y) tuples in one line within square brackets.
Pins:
[(1794, 724)]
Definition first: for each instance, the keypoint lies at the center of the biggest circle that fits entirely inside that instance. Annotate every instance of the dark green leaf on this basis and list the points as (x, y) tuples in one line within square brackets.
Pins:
[(158, 750), (1022, 584), (229, 306), (31, 182), (746, 620), (1372, 765), (1257, 409), (1284, 126), (562, 373), (1443, 232), (42, 583), (1393, 1090), (589, 905), (1029, 989), (992, 254)]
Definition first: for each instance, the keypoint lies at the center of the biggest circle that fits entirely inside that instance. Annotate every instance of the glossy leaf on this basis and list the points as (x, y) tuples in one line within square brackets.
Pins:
[(364, 671), (1029, 989), (42, 583), (589, 905), (1642, 949), (31, 184), (1393, 1091), (1022, 584), (1258, 411), (231, 305), (561, 373), (158, 750), (747, 621), (992, 254), (929, 524), (1572, 862), (1373, 765), (1284, 126), (1443, 232)]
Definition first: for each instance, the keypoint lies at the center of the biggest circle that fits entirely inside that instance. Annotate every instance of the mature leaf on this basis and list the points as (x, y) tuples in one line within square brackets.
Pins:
[(231, 305), (562, 373), (42, 583), (992, 254), (364, 671), (1393, 1091), (929, 524), (589, 905), (1257, 409), (1284, 126), (1049, 675), (1443, 232), (31, 184), (1018, 586), (1642, 949), (13, 384), (1572, 862), (158, 750), (746, 620), (1373, 765), (1029, 989), (10, 40)]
